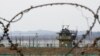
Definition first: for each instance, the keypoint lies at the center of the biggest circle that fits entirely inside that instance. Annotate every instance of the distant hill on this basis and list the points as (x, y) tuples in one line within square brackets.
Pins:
[(42, 34), (32, 33), (91, 36), (45, 34)]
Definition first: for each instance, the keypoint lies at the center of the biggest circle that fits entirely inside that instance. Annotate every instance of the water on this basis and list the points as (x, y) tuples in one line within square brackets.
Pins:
[(33, 43)]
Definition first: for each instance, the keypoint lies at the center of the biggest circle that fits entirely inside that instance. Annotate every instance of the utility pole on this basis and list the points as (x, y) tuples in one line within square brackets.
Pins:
[(29, 41), (33, 41), (36, 36), (16, 39)]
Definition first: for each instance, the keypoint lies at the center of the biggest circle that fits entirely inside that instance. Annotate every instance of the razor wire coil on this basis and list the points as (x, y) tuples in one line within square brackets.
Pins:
[(6, 27)]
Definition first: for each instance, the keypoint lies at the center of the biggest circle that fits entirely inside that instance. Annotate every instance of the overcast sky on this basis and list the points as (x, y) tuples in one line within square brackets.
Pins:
[(49, 18)]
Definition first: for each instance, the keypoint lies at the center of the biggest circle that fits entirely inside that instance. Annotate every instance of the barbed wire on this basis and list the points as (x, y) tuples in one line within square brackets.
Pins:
[(6, 34), (97, 13), (98, 38), (6, 27)]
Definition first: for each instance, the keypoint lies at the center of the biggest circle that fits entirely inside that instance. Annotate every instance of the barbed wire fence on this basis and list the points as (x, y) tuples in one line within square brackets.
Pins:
[(6, 27)]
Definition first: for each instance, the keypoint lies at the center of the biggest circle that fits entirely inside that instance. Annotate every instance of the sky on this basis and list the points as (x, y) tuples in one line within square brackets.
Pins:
[(51, 17)]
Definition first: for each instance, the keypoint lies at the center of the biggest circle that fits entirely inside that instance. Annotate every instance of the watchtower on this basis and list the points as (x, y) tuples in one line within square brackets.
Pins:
[(65, 39)]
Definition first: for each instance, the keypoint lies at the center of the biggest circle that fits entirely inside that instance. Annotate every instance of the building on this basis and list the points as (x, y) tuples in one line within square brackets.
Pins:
[(66, 38)]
